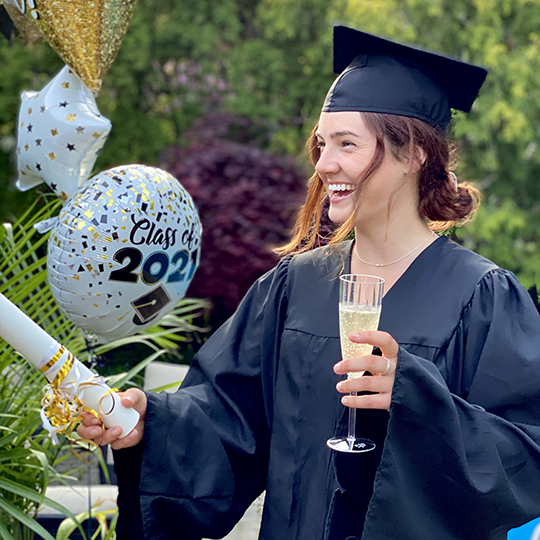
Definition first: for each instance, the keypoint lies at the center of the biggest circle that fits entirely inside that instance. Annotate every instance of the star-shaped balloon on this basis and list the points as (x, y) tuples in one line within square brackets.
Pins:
[(60, 133), (86, 34)]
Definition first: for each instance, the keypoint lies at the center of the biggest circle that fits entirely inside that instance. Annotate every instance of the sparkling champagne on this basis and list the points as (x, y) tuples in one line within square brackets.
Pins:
[(352, 319)]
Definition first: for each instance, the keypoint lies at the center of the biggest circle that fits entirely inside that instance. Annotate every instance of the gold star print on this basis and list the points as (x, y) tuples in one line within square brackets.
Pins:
[(29, 111), (26, 147), (96, 135), (52, 157), (71, 117), (54, 132), (65, 85)]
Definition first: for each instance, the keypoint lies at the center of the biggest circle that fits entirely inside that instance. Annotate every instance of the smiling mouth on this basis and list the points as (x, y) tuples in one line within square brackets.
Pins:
[(340, 190)]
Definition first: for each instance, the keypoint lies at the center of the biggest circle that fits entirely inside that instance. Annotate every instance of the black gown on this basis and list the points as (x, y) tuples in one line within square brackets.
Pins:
[(457, 457)]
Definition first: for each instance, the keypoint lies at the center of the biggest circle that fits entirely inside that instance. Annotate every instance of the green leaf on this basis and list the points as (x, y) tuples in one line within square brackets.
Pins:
[(120, 380), (5, 534), (23, 518)]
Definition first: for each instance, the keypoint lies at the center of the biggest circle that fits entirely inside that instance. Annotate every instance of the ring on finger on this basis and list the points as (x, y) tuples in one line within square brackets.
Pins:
[(387, 367)]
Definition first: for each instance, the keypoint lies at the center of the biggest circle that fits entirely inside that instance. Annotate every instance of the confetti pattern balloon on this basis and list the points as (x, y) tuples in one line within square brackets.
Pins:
[(86, 34), (60, 133), (124, 250)]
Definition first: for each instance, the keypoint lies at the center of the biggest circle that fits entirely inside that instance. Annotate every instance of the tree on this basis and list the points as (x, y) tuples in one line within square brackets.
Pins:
[(271, 62)]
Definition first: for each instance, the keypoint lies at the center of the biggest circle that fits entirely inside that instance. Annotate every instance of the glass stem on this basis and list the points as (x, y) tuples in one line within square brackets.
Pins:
[(351, 436)]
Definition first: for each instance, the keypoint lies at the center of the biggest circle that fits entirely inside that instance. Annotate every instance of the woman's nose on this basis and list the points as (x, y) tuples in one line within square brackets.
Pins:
[(327, 163)]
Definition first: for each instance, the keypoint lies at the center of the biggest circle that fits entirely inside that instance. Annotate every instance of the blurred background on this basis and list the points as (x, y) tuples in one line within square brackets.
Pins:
[(224, 95)]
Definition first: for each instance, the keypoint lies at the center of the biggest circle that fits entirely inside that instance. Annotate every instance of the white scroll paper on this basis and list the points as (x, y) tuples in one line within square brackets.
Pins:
[(62, 369)]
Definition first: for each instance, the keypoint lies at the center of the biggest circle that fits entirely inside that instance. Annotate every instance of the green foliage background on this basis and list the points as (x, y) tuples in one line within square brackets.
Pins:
[(271, 60)]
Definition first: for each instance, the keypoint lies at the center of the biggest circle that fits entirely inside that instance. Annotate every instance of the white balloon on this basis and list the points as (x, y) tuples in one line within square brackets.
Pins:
[(124, 250), (60, 133)]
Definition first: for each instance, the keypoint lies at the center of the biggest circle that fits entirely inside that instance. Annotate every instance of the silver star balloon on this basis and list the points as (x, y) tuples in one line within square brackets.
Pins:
[(60, 133)]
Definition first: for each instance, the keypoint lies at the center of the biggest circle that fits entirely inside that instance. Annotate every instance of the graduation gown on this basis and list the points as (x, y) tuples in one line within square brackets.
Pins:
[(457, 457)]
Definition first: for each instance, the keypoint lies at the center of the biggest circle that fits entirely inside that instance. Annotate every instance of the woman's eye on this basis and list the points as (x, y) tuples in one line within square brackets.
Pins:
[(347, 143), (320, 144)]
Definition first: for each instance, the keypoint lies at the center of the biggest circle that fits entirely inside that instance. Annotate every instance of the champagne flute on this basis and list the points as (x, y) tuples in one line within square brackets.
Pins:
[(360, 304)]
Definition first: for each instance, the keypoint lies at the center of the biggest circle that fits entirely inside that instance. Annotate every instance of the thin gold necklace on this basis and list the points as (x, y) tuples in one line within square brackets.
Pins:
[(397, 260)]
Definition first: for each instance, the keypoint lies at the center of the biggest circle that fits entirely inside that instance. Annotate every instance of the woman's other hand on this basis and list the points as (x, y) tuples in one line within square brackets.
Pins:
[(91, 427), (383, 369)]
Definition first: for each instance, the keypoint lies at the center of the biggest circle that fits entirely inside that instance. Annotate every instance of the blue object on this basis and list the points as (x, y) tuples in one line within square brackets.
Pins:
[(524, 532)]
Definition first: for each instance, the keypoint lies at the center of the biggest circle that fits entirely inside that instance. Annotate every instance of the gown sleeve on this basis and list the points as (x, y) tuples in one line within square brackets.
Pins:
[(466, 466), (204, 456)]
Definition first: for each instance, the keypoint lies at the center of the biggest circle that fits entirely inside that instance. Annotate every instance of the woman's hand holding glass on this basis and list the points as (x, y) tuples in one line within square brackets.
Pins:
[(91, 427), (383, 369)]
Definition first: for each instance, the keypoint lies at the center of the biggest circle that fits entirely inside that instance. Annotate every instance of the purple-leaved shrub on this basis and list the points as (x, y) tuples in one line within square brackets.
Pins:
[(247, 199)]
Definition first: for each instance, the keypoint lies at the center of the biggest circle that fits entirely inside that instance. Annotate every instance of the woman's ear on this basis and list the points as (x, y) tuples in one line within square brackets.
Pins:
[(419, 158)]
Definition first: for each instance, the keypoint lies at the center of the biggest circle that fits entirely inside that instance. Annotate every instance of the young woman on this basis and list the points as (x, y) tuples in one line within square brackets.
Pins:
[(453, 397)]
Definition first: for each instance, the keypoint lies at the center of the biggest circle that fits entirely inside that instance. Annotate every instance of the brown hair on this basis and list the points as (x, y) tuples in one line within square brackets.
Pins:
[(439, 202)]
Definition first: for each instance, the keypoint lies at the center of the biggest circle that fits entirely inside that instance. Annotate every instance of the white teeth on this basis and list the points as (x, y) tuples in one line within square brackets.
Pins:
[(341, 187)]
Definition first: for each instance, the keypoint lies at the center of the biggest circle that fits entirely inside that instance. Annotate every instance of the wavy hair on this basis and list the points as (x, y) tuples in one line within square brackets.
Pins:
[(440, 202)]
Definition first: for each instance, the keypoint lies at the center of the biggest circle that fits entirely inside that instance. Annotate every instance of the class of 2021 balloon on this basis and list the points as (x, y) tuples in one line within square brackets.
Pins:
[(124, 251)]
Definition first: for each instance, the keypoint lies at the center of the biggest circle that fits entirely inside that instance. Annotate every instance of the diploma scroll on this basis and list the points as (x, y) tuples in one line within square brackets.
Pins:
[(67, 375)]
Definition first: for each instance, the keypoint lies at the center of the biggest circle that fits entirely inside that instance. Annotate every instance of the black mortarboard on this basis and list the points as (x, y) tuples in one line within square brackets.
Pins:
[(378, 75)]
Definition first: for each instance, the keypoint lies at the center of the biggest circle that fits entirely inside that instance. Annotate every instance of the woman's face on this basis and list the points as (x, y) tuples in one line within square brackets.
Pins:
[(347, 148)]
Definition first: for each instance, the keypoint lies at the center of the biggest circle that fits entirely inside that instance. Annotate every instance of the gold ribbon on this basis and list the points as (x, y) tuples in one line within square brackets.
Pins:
[(62, 410), (53, 360)]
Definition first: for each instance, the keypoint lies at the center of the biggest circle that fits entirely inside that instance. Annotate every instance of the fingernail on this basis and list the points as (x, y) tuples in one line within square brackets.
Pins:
[(339, 386), (336, 367), (129, 399), (345, 400), (116, 431), (95, 421), (94, 432)]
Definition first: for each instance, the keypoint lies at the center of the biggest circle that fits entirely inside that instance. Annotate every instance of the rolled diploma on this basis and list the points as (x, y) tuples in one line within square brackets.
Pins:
[(29, 339)]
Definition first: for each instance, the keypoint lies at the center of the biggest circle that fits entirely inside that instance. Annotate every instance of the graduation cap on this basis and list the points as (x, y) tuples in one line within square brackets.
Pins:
[(378, 75)]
